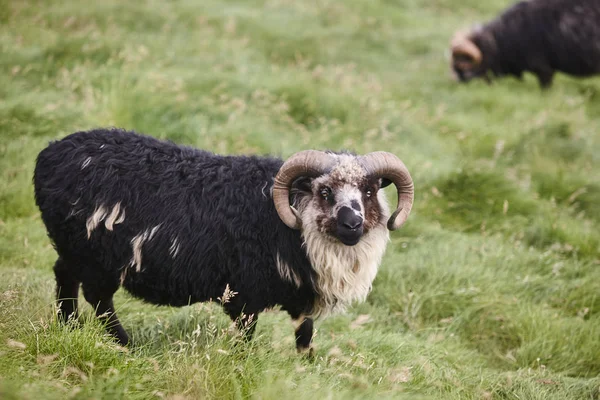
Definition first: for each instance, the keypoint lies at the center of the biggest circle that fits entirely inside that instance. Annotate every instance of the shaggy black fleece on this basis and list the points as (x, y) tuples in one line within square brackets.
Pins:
[(542, 37), (214, 219)]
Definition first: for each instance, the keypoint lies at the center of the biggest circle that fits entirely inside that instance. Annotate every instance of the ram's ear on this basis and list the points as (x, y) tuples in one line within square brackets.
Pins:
[(302, 184), (385, 182)]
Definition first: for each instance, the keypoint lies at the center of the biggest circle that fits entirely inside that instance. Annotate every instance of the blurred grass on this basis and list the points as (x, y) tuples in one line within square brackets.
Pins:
[(492, 289)]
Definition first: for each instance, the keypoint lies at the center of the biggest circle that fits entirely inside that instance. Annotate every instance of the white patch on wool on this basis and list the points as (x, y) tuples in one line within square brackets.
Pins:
[(100, 213), (114, 218), (286, 272), (174, 249), (136, 245), (93, 221), (153, 232), (73, 213), (121, 218), (86, 162), (102, 146), (344, 273), (263, 190)]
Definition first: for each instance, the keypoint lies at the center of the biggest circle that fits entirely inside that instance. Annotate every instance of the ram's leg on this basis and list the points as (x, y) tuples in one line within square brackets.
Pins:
[(102, 301), (67, 290), (304, 334), (545, 76)]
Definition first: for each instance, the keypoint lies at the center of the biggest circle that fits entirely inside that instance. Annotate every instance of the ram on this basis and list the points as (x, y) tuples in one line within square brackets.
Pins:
[(539, 36), (175, 225)]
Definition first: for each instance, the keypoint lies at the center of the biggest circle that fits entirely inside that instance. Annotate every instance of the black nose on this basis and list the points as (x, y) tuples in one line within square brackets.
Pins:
[(353, 223), (349, 219), (350, 226)]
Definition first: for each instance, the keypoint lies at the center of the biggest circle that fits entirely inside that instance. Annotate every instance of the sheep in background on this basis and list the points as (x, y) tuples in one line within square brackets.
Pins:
[(539, 36), (176, 225)]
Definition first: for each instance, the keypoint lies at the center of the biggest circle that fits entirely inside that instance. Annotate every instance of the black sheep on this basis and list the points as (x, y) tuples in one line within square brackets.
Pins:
[(539, 36), (176, 225)]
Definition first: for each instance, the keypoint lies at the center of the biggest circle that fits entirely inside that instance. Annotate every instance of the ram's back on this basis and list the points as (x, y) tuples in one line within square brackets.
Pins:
[(102, 193)]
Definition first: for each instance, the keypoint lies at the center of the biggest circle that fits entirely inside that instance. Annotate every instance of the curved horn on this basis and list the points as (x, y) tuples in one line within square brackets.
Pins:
[(386, 165), (461, 44), (310, 163)]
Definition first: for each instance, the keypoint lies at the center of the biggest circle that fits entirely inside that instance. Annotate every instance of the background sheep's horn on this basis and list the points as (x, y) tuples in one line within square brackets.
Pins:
[(310, 163), (465, 46), (382, 164)]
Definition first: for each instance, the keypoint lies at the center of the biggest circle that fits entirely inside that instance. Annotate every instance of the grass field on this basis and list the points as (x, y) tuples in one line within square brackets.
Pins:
[(490, 291)]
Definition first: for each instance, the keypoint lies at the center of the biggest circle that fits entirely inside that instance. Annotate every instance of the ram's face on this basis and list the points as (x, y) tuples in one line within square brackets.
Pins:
[(467, 58), (465, 68), (343, 204)]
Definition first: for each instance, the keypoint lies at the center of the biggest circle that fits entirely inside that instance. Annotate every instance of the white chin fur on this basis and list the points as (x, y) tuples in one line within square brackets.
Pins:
[(344, 273)]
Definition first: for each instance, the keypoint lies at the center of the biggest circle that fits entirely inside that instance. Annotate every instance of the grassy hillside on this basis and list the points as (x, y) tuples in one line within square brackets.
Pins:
[(490, 291)]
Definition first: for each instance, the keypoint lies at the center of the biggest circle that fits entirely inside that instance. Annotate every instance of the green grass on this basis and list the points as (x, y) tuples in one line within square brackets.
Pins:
[(490, 291)]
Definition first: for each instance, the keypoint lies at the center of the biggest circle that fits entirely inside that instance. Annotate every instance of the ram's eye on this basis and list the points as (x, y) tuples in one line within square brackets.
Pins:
[(369, 192), (325, 193)]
